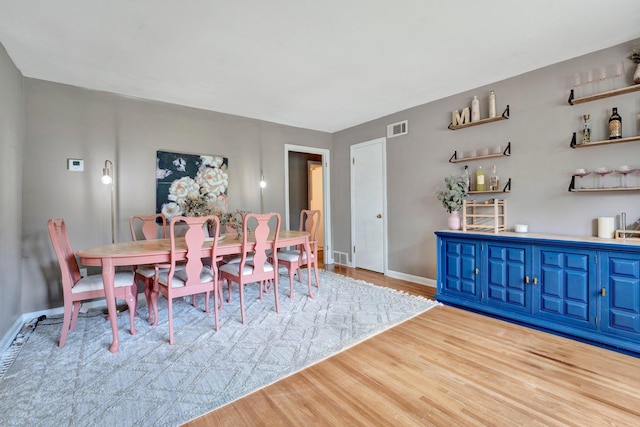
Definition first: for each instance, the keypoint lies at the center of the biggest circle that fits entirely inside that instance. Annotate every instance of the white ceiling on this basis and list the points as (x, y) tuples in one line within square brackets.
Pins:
[(317, 64)]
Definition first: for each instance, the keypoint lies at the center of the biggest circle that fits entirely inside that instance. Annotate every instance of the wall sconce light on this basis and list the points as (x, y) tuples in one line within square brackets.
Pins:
[(107, 179), (263, 185), (106, 172)]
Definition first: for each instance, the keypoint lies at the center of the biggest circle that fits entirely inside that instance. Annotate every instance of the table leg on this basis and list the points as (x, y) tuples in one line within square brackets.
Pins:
[(108, 277)]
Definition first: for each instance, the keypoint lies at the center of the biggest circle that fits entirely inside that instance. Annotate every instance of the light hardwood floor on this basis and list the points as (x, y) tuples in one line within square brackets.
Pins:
[(449, 367)]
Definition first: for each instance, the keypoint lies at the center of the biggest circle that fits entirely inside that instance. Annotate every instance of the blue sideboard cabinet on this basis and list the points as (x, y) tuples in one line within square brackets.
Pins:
[(586, 288)]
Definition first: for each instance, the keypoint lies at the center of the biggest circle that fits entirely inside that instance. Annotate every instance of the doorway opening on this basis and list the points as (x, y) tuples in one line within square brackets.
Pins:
[(307, 187)]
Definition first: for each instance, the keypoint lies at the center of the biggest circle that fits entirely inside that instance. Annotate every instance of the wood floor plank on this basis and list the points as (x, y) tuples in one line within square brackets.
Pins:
[(449, 367)]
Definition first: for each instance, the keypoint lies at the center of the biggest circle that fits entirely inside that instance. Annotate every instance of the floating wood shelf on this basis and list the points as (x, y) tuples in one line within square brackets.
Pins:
[(573, 189), (574, 141), (506, 189), (504, 116), (601, 95), (592, 190), (506, 152)]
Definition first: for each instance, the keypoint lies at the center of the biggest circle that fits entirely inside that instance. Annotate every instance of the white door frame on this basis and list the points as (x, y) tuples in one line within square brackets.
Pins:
[(326, 197), (382, 141)]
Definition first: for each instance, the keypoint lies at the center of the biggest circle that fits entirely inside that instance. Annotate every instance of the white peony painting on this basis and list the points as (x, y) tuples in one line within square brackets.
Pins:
[(189, 176)]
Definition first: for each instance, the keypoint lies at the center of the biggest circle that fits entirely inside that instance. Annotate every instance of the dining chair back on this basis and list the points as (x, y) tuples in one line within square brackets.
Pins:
[(147, 227), (295, 259), (187, 274), (255, 264), (76, 288)]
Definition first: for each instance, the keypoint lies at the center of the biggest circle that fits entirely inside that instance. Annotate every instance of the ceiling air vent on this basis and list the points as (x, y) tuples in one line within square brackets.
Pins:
[(397, 129)]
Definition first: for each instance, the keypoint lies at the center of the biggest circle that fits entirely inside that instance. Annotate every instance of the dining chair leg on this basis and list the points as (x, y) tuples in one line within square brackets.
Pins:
[(275, 294), (66, 324), (74, 314), (242, 302), (215, 303), (148, 284), (229, 290), (170, 310), (154, 305), (315, 269), (206, 302), (134, 291)]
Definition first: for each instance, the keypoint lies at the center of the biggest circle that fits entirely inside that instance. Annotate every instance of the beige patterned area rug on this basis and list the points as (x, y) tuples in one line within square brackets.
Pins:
[(149, 382)]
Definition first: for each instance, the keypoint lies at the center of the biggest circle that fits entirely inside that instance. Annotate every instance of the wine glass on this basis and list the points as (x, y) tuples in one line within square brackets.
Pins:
[(602, 172), (618, 71), (601, 73), (577, 85), (587, 83), (581, 173), (624, 170)]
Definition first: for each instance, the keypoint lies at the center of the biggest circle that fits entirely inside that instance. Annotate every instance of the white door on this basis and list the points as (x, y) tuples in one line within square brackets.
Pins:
[(368, 205)]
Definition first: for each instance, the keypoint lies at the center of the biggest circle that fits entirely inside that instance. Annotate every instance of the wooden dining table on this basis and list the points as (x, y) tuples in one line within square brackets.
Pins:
[(157, 251)]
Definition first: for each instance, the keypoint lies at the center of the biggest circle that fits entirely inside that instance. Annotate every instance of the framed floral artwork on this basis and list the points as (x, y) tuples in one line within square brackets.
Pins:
[(185, 181)]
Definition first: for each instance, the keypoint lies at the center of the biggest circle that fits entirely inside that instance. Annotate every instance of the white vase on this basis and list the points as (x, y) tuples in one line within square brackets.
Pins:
[(636, 75), (454, 220)]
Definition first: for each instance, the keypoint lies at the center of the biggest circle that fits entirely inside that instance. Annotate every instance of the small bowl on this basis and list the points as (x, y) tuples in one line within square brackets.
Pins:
[(521, 228)]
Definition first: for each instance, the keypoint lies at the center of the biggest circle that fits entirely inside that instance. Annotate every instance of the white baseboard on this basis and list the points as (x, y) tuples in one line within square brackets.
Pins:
[(11, 334), (411, 278)]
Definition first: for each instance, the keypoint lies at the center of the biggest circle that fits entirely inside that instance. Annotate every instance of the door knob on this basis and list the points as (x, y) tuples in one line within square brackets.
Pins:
[(379, 216)]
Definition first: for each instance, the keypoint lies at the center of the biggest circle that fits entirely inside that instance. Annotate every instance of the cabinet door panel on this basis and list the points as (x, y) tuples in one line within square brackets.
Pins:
[(565, 280), (460, 266), (621, 304), (506, 269)]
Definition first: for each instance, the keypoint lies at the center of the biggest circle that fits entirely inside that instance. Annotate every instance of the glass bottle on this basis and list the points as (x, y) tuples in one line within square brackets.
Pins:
[(494, 180), (467, 178), (480, 185), (586, 129), (475, 109), (492, 104), (615, 125)]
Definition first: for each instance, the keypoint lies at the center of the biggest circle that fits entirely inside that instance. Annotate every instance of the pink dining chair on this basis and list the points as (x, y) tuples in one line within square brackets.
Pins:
[(295, 259), (147, 227), (193, 277), (76, 289), (254, 265)]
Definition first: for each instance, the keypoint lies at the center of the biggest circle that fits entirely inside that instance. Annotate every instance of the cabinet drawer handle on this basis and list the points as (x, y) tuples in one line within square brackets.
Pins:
[(603, 292), (535, 280), (526, 279)]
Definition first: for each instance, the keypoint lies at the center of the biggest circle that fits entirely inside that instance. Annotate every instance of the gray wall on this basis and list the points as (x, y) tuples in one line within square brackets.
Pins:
[(541, 166), (68, 122), (12, 120)]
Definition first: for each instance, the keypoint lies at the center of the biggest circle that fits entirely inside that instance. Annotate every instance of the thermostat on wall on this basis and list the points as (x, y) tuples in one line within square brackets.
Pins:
[(75, 165)]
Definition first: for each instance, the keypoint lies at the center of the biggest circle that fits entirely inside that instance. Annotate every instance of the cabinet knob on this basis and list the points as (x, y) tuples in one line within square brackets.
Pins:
[(379, 216), (603, 292), (477, 271), (526, 279), (535, 280)]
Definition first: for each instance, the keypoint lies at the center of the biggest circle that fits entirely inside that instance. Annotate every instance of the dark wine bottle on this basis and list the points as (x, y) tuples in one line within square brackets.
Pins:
[(615, 125)]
